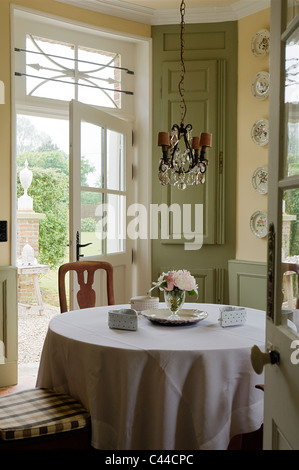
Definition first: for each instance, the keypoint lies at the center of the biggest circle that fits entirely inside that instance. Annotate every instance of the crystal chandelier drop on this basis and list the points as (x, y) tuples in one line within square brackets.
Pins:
[(183, 167)]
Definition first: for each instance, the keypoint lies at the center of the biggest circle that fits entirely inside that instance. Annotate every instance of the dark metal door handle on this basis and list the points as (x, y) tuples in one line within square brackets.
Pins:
[(78, 246)]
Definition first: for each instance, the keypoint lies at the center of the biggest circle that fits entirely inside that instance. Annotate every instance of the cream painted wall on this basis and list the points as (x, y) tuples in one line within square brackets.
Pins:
[(249, 155), (5, 160), (61, 10)]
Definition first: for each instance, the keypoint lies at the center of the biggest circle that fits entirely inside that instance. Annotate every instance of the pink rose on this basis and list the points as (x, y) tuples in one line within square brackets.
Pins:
[(184, 281), (170, 279)]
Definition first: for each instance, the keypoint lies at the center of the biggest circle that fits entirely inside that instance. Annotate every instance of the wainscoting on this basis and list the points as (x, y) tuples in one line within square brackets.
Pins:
[(247, 284)]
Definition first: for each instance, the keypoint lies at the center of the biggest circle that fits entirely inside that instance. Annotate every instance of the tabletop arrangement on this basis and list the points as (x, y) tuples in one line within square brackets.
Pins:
[(175, 285)]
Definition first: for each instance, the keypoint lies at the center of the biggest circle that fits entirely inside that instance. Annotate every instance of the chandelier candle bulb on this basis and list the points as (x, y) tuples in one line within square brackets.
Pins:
[(163, 139), (195, 143), (205, 139)]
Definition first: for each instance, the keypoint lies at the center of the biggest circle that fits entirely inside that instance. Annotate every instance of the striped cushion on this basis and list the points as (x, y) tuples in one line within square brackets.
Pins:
[(39, 412)]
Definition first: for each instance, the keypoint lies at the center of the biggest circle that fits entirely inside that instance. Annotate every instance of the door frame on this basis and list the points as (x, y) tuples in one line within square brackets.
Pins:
[(142, 144)]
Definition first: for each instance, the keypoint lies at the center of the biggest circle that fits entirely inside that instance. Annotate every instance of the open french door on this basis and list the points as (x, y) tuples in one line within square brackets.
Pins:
[(101, 190), (281, 417)]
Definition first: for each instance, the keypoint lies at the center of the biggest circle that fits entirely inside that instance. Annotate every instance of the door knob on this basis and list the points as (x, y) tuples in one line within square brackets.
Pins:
[(260, 359)]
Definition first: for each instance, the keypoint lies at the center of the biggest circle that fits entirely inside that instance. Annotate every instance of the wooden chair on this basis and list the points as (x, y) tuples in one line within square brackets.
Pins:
[(86, 296), (41, 419)]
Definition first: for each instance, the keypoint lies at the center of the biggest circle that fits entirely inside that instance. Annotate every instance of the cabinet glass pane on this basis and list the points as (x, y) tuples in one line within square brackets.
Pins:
[(92, 161), (290, 258), (116, 175), (292, 105)]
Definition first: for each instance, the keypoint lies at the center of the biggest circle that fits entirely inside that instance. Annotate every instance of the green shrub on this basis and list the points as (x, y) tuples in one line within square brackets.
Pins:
[(49, 190), (88, 225)]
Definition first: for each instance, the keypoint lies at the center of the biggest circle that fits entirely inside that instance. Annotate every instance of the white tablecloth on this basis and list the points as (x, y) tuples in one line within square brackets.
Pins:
[(160, 387)]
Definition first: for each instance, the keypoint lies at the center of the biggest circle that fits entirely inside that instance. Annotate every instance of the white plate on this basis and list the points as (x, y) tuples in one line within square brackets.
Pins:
[(260, 132), (260, 43), (260, 180), (260, 85), (186, 316), (259, 224)]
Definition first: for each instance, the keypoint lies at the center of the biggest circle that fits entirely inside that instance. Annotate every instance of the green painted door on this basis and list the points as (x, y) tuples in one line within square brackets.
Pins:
[(210, 95)]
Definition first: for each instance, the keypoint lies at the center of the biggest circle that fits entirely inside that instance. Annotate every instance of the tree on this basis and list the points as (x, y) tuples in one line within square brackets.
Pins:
[(28, 137), (49, 187), (55, 159), (49, 190)]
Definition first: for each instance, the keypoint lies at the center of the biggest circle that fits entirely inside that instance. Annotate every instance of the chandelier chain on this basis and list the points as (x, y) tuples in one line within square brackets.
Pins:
[(183, 166), (181, 82)]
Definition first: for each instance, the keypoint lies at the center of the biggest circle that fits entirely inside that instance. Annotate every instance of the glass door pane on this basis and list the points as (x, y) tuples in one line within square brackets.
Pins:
[(92, 229), (293, 10), (103, 186), (116, 225), (116, 168), (290, 259), (92, 155), (290, 186), (291, 104)]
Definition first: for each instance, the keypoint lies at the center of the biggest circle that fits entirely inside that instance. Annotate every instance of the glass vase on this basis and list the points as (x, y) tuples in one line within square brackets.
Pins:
[(174, 300)]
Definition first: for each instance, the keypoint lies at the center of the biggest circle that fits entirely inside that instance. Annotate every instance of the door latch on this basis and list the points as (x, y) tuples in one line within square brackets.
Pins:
[(78, 246)]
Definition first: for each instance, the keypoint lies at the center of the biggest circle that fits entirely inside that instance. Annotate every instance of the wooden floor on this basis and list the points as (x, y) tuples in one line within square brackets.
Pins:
[(25, 382)]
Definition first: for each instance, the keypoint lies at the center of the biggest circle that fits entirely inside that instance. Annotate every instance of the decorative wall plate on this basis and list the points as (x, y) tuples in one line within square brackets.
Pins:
[(259, 224), (260, 132), (260, 85), (260, 180), (260, 43)]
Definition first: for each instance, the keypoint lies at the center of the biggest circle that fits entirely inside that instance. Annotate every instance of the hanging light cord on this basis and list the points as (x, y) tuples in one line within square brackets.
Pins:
[(181, 82)]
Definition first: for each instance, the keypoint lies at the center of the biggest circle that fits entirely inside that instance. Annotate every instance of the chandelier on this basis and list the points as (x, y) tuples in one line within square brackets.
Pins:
[(187, 166)]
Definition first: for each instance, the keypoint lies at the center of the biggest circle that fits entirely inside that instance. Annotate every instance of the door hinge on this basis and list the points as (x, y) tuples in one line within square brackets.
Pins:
[(132, 256), (132, 138)]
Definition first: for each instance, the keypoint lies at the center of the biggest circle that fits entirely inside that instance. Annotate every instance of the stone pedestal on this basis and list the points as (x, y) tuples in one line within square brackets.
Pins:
[(27, 233), (27, 245)]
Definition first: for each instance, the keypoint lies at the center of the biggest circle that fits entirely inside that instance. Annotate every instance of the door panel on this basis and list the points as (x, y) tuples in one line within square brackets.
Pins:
[(201, 97), (100, 193)]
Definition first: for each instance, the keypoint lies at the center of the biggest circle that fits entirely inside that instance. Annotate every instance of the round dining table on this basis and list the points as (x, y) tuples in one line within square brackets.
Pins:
[(161, 386)]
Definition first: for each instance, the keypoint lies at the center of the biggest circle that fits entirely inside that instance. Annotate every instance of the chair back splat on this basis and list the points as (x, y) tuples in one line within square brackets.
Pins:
[(86, 295)]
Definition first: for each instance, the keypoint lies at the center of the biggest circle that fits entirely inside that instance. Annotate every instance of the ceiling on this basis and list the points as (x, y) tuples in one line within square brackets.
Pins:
[(170, 4), (156, 12)]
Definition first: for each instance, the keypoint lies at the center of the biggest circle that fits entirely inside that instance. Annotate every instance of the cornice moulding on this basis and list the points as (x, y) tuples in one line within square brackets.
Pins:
[(140, 14)]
